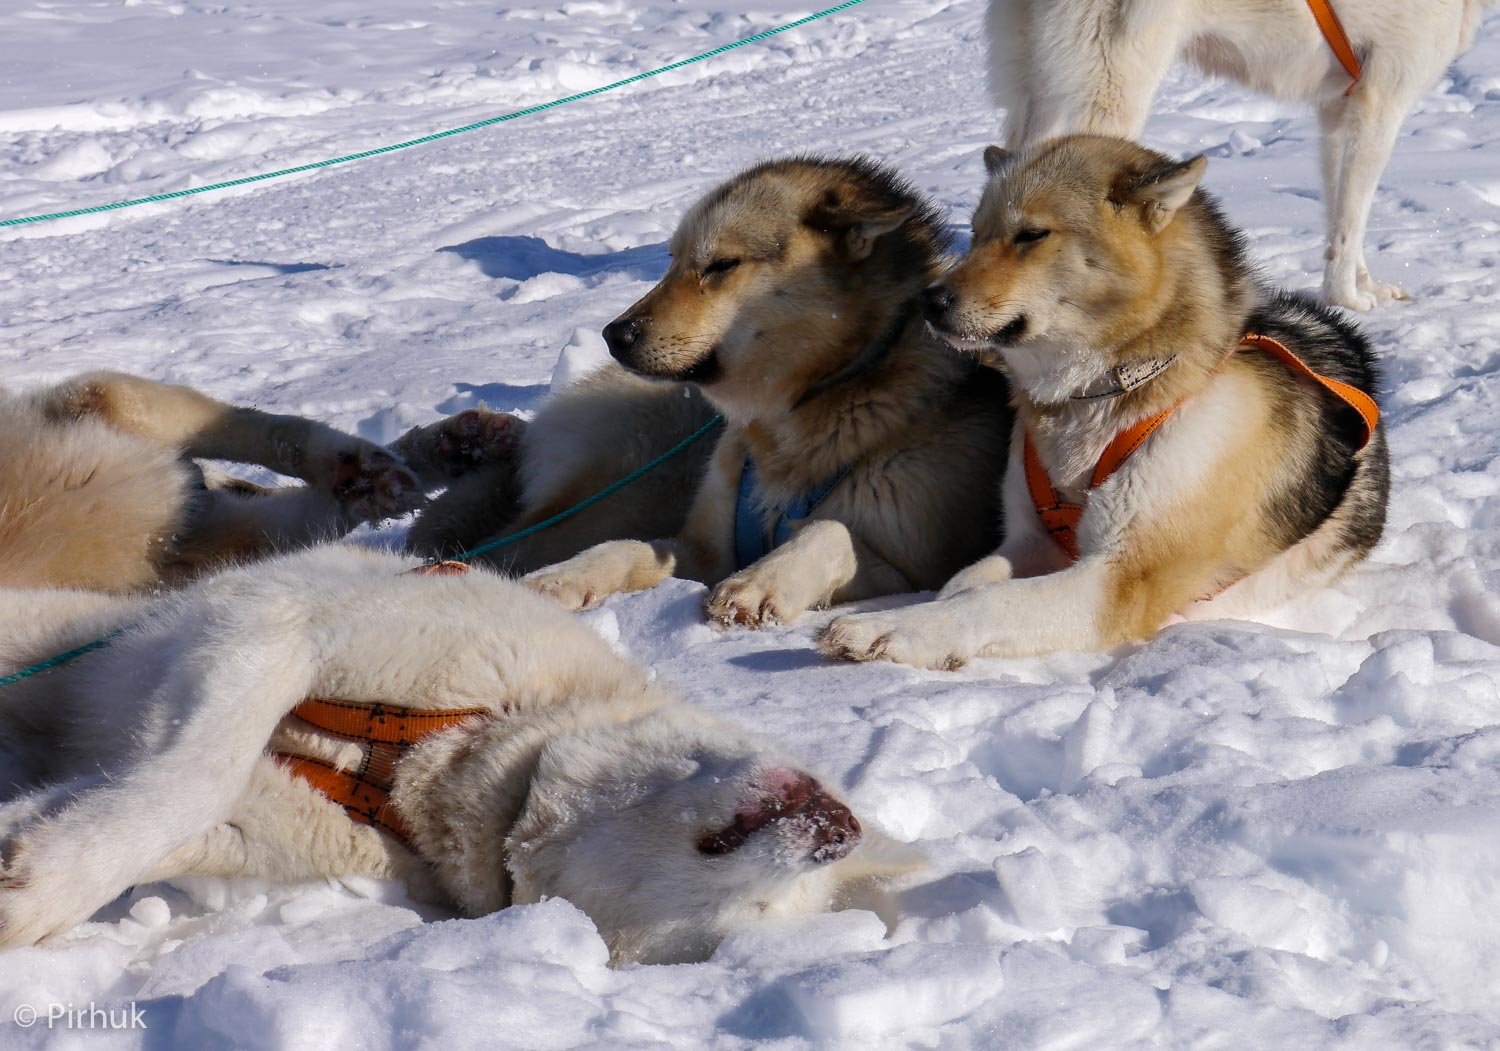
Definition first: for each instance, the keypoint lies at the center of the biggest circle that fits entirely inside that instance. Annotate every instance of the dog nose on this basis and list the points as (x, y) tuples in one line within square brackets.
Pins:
[(835, 829), (937, 300), (800, 804), (622, 334)]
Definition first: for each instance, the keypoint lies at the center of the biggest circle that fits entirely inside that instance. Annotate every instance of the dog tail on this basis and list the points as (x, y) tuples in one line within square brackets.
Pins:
[(82, 505)]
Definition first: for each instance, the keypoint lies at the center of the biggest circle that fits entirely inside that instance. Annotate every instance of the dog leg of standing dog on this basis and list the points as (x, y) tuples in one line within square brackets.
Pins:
[(822, 563), (369, 480), (241, 672), (1364, 127)]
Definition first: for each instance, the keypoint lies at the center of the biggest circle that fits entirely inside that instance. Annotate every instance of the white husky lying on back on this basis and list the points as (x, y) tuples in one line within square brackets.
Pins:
[(578, 779)]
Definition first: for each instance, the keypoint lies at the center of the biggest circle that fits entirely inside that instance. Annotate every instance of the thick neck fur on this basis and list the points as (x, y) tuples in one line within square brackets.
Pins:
[(461, 792), (1197, 314), (807, 443)]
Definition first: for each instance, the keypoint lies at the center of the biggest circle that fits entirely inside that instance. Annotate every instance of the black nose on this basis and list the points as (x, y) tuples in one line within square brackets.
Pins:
[(622, 334), (937, 301)]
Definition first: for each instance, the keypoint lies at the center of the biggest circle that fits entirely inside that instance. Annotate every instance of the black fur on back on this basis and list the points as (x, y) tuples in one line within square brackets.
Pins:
[(1336, 348)]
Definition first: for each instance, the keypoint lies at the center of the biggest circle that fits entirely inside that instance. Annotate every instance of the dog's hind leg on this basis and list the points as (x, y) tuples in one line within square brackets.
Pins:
[(202, 428), (239, 669), (1361, 130)]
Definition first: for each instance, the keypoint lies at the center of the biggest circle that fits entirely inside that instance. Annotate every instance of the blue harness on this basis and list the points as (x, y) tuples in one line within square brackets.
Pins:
[(752, 541)]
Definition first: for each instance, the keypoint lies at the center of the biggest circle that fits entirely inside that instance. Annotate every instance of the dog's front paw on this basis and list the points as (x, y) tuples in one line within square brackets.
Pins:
[(371, 484), (750, 601), (905, 637), (459, 444), (570, 589)]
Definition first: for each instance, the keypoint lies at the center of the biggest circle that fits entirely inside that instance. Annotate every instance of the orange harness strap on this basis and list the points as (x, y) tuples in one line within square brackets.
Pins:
[(1338, 41), (386, 732), (1060, 517)]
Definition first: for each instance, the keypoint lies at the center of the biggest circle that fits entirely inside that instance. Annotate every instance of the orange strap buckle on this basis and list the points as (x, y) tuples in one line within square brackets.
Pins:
[(1060, 517)]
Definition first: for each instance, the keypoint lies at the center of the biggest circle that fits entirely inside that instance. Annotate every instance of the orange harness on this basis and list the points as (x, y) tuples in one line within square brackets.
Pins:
[(385, 732), (1338, 41), (1060, 517)]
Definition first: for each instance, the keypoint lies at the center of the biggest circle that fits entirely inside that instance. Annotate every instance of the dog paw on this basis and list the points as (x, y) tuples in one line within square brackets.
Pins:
[(372, 484), (742, 600), (569, 590), (1364, 294), (890, 637), (457, 445)]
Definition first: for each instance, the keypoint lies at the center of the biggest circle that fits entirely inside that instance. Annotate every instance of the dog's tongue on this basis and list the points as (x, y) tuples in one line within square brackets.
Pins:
[(790, 795)]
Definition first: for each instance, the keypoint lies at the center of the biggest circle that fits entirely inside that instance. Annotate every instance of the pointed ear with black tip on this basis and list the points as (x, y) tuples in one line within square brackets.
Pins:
[(1161, 191), (996, 160), (861, 224)]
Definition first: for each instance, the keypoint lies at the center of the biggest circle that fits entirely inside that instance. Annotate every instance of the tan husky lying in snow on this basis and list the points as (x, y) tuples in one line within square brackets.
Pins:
[(487, 748), (1182, 432)]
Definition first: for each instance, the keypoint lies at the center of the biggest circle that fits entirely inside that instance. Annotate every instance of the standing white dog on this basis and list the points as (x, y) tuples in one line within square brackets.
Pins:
[(323, 715), (1061, 66)]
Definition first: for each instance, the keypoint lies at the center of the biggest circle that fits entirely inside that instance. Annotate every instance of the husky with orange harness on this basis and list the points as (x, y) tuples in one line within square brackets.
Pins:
[(1186, 439), (330, 714), (1061, 66)]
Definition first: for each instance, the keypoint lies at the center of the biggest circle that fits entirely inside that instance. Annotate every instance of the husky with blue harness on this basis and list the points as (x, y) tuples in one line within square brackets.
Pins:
[(859, 457)]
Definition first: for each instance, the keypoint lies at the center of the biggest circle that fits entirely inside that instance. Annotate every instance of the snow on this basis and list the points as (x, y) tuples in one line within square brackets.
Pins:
[(1284, 833)]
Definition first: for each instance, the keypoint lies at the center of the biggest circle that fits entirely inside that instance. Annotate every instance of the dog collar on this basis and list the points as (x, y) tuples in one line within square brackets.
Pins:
[(1122, 379)]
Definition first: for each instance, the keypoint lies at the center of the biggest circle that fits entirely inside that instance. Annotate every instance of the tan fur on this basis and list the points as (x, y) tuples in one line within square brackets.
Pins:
[(98, 491), (1090, 254), (791, 303)]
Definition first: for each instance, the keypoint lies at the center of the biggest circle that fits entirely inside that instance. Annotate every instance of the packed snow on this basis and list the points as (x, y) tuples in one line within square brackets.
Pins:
[(1284, 833)]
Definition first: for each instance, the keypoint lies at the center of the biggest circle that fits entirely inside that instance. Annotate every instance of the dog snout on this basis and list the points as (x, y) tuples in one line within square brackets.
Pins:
[(622, 335), (937, 303), (800, 804)]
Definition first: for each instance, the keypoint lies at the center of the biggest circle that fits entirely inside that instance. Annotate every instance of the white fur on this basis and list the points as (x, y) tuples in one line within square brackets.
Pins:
[(1093, 65), (147, 759)]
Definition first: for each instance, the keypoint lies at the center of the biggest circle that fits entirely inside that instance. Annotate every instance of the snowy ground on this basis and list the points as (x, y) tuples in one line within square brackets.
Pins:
[(1239, 835)]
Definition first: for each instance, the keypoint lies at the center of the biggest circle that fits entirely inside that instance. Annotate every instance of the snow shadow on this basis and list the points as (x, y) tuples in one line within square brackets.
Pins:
[(522, 258), (500, 396)]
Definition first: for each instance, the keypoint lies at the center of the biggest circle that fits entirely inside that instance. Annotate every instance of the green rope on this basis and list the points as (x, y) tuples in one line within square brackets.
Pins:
[(590, 501), (504, 541), (60, 659), (528, 111)]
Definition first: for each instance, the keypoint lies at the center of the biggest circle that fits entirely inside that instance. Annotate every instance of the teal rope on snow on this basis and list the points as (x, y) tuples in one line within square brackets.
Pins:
[(504, 541), (528, 111)]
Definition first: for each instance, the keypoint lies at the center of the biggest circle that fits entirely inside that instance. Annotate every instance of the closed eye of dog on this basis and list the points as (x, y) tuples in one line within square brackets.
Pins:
[(1030, 236), (720, 266)]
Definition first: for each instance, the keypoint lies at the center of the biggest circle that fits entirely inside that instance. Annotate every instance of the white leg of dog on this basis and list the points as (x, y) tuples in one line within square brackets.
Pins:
[(587, 579), (1016, 618), (218, 706), (823, 560), (1368, 124)]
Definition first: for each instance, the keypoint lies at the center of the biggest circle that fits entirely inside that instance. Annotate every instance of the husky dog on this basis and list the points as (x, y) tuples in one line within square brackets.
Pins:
[(98, 488), (1181, 430), (565, 773), (858, 454), (1093, 65)]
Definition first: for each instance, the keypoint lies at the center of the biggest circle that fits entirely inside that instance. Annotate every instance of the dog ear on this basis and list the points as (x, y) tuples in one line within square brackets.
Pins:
[(861, 222), (1162, 190), (996, 160)]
